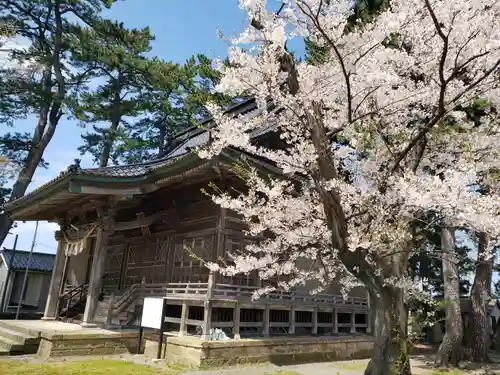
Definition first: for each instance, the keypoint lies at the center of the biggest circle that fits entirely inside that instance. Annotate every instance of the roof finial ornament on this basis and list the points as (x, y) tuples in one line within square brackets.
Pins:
[(75, 167)]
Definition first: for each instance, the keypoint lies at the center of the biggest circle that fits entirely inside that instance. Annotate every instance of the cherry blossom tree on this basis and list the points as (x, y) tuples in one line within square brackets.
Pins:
[(378, 136)]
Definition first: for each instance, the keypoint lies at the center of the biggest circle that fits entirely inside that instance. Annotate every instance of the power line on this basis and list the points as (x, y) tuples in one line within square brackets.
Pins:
[(46, 246)]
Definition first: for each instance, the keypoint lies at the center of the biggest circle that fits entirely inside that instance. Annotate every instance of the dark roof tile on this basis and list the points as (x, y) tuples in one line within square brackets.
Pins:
[(19, 260)]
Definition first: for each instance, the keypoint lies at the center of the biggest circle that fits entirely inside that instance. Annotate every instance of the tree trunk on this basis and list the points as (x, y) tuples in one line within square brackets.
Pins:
[(480, 329), (496, 336), (110, 135), (390, 355), (450, 349), (390, 328), (49, 116), (44, 131)]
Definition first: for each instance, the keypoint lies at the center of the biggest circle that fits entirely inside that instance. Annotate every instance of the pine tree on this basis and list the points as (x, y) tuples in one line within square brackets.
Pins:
[(114, 55), (177, 95), (50, 27)]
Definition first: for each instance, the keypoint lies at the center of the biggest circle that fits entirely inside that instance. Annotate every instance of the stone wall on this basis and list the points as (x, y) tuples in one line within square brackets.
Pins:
[(78, 344), (194, 352)]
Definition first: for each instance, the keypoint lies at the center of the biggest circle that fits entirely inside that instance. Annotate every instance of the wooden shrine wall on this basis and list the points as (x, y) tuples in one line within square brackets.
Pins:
[(168, 254), (176, 252)]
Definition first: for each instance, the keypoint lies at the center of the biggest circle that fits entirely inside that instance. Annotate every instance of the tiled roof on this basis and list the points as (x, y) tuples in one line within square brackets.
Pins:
[(131, 170), (185, 141), (196, 141), (19, 260)]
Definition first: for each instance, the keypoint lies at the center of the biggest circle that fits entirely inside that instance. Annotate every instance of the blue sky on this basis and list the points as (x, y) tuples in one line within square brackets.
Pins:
[(182, 28)]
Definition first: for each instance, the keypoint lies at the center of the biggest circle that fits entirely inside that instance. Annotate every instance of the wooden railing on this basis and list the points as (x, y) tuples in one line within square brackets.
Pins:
[(70, 298), (241, 292), (118, 304), (200, 291)]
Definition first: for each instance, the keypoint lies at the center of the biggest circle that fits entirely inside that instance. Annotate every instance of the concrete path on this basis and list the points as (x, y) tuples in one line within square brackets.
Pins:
[(421, 365), (307, 369), (324, 368)]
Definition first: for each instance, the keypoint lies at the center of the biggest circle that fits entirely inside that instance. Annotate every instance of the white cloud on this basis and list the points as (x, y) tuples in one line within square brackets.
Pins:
[(15, 44)]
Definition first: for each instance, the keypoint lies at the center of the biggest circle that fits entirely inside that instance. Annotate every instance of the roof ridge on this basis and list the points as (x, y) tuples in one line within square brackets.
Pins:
[(25, 252)]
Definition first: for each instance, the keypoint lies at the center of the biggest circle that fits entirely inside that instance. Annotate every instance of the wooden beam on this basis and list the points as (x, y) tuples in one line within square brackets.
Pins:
[(141, 221), (96, 190)]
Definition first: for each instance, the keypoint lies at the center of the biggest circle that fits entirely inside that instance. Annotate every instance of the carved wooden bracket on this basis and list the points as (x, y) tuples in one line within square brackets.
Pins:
[(144, 228), (58, 235)]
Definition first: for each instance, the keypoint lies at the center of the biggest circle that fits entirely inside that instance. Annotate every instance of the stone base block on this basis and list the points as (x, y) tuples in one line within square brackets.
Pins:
[(194, 352), (78, 344)]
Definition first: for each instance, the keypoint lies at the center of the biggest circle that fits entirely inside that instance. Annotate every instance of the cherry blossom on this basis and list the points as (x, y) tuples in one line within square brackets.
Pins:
[(398, 124)]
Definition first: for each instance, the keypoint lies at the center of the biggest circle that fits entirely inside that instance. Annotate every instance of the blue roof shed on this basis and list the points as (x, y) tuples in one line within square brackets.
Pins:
[(18, 260)]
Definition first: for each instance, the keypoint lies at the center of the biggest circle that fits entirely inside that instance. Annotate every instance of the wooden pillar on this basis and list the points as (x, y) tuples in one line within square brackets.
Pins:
[(56, 280), (184, 318), (265, 323), (353, 322), (369, 314), (335, 320), (315, 321), (123, 269), (291, 328), (111, 305), (166, 274), (207, 320), (96, 275), (207, 313), (221, 224), (236, 321), (63, 283)]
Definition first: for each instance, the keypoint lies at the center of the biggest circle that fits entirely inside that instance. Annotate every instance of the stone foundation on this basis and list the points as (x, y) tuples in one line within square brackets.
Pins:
[(193, 352), (81, 344)]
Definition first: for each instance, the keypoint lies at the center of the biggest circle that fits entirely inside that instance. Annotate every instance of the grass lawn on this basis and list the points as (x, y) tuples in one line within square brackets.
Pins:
[(91, 367), (94, 367)]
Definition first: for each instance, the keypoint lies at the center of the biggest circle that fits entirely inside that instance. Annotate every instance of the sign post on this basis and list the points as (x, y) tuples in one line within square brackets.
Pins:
[(153, 316)]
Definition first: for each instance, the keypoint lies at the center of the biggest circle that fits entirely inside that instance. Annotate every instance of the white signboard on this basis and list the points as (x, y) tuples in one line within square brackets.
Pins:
[(152, 312)]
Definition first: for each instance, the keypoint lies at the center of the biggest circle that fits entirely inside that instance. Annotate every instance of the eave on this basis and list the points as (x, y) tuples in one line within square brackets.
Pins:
[(69, 187), (71, 191)]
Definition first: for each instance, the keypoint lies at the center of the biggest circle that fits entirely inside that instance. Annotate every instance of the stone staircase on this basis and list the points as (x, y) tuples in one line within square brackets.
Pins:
[(128, 316), (16, 340)]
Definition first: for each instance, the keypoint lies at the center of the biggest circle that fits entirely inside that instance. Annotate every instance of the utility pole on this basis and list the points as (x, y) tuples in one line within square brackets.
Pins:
[(9, 272), (26, 272)]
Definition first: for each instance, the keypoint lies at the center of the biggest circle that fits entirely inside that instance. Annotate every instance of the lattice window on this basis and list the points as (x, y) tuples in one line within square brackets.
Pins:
[(274, 281), (113, 266), (237, 246), (188, 260), (147, 260)]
